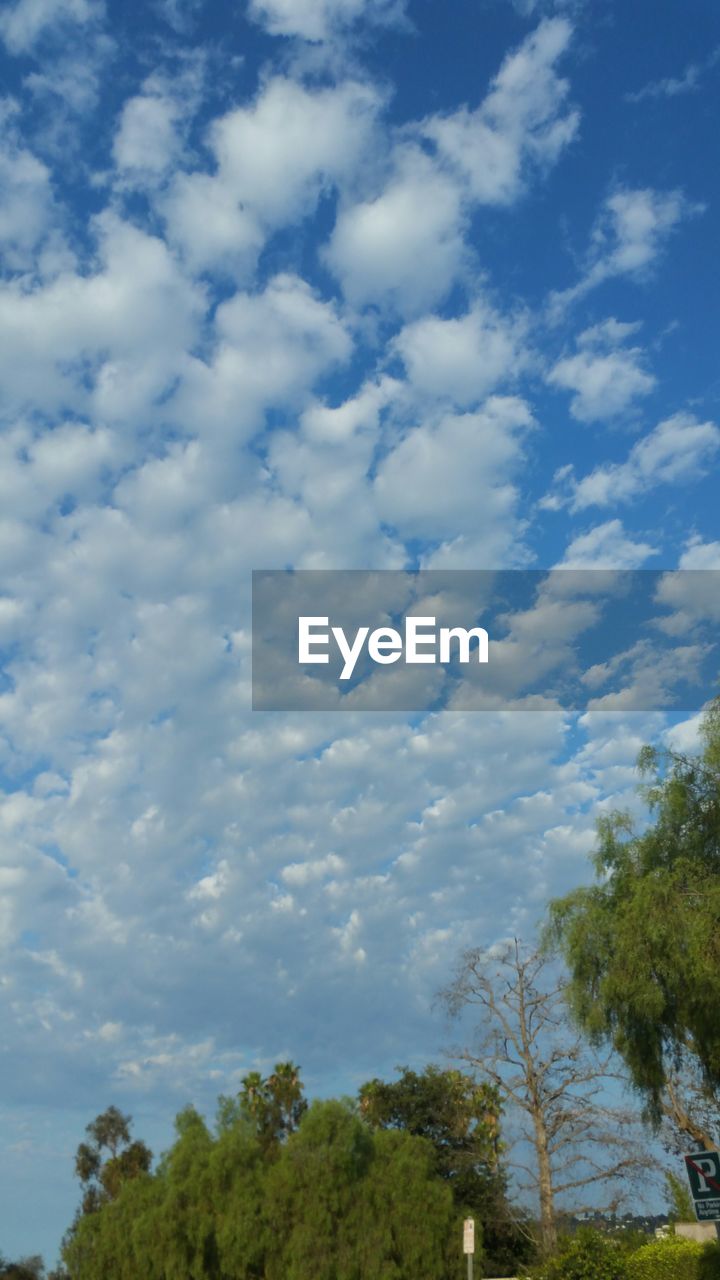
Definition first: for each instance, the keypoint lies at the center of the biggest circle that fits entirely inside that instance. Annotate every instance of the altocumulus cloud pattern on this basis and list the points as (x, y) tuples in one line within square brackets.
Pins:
[(323, 284)]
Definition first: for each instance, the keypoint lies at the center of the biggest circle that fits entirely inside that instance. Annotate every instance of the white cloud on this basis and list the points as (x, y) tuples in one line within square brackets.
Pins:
[(148, 140), (528, 7), (647, 677), (635, 223), (606, 546), (280, 153), (520, 123), (67, 85), (685, 737), (629, 235), (180, 14), (212, 886), (274, 160), (325, 467), (109, 340), (27, 207), (25, 21), (461, 359), (301, 873), (270, 348), (677, 451), (693, 590), (605, 376), (454, 478), (213, 230), (688, 81), (405, 247), (321, 19), (700, 555), (41, 469)]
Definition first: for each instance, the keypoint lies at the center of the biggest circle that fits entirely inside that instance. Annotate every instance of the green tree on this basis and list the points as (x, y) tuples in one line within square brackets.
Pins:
[(107, 1244), (273, 1105), (312, 1192), (460, 1118), (24, 1269), (405, 1223), (105, 1165), (236, 1180), (182, 1227), (336, 1201), (346, 1204), (109, 1159), (680, 1203), (642, 944)]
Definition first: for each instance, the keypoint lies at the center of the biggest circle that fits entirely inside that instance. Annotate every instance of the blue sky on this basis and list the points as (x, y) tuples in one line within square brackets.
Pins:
[(324, 284)]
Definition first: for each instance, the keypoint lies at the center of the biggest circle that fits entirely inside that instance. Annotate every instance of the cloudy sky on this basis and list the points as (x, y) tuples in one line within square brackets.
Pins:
[(325, 284)]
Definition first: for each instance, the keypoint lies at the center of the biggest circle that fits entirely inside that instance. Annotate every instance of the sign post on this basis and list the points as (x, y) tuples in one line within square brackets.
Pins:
[(703, 1171), (469, 1243)]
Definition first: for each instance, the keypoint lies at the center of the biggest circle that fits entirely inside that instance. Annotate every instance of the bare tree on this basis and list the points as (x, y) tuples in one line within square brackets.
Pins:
[(550, 1080)]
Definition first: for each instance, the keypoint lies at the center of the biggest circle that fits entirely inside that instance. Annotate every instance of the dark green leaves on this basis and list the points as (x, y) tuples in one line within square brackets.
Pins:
[(643, 944), (335, 1201)]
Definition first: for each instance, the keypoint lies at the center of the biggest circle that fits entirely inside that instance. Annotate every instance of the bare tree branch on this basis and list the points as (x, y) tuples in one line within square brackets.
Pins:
[(525, 1047)]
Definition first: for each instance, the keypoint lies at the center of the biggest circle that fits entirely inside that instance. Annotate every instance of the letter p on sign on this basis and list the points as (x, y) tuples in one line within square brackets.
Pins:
[(703, 1168), (704, 1173)]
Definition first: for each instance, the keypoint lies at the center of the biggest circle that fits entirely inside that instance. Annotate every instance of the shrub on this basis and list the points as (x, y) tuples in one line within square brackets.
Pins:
[(586, 1255), (674, 1259), (709, 1267)]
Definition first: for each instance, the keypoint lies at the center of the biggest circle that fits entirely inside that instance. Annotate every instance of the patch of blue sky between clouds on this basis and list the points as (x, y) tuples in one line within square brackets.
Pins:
[(322, 284)]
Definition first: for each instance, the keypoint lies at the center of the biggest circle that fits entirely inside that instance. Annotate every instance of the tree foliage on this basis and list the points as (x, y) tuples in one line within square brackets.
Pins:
[(642, 944), (460, 1118), (273, 1106), (109, 1159), (344, 1202), (24, 1269), (674, 1259), (680, 1203), (586, 1255), (335, 1200)]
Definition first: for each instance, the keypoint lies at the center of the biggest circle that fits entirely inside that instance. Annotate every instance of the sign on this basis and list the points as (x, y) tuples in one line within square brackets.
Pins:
[(469, 1235), (703, 1170)]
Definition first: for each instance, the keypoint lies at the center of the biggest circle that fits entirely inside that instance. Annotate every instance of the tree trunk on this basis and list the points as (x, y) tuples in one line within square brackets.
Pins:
[(673, 1108), (548, 1227)]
